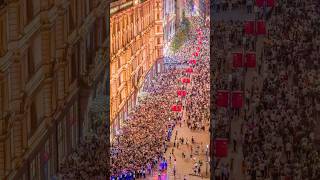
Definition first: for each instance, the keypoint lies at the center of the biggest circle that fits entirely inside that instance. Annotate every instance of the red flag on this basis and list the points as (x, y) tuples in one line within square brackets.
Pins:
[(221, 145), (237, 99), (222, 98), (237, 60), (249, 27), (261, 27), (251, 60)]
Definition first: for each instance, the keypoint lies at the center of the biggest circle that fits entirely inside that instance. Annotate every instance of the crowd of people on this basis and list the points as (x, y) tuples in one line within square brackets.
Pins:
[(147, 131), (279, 123), (279, 131)]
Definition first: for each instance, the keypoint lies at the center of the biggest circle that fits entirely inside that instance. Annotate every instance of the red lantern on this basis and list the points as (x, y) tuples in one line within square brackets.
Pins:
[(222, 98), (261, 27), (189, 70), (200, 42), (198, 49), (249, 27), (260, 3), (237, 99), (237, 60), (251, 60), (221, 145), (185, 80), (196, 54), (192, 61), (182, 93), (270, 3)]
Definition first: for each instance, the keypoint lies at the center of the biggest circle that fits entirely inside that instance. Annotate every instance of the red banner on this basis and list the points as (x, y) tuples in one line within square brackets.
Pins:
[(237, 99), (222, 98), (261, 27), (176, 108), (192, 61), (185, 80), (270, 3), (249, 27), (237, 60), (182, 93), (251, 60), (189, 70), (221, 145), (260, 3)]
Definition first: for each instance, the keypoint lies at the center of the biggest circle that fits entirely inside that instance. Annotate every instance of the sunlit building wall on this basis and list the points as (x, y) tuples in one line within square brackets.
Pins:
[(136, 33), (51, 56)]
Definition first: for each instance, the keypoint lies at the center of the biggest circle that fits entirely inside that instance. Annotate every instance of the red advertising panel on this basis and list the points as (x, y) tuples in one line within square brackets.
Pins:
[(185, 80), (222, 98), (249, 27), (261, 27), (251, 60), (182, 93), (192, 61), (176, 108), (221, 145), (189, 70), (270, 3), (237, 99), (237, 60), (260, 3)]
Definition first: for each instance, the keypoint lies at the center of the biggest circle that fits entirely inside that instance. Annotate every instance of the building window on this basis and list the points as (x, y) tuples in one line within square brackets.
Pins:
[(33, 116), (3, 36), (120, 80), (61, 141), (32, 9), (36, 112), (72, 16), (34, 55), (35, 168)]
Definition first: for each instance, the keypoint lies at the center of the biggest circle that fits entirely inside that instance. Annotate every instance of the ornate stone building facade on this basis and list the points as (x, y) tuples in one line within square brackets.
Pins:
[(51, 60), (136, 46)]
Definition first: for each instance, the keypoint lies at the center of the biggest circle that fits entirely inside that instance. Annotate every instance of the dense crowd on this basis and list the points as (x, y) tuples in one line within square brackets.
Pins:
[(279, 128), (279, 132)]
